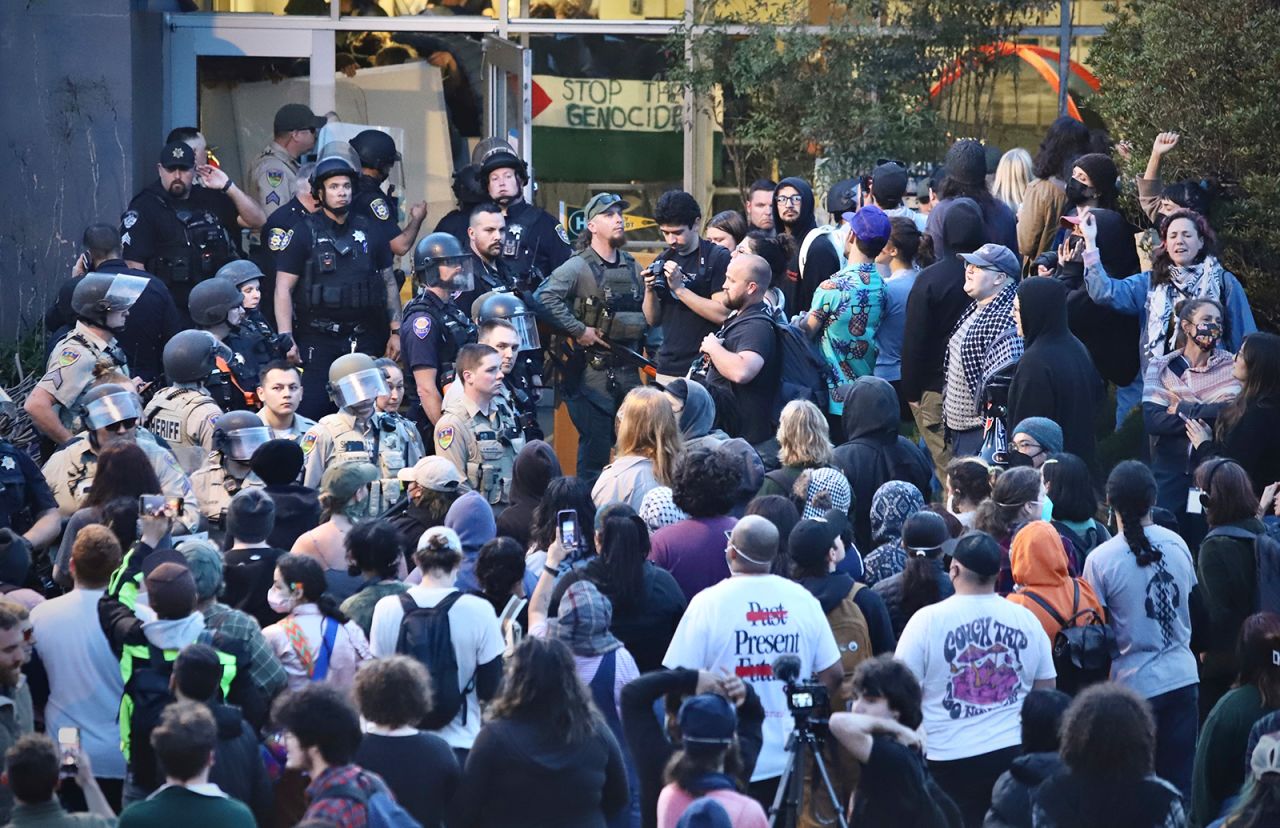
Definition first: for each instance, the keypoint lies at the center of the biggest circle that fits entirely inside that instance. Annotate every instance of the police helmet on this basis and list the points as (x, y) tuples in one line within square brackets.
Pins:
[(496, 154), (377, 149), (98, 294), (108, 404), (238, 434), (211, 301), (439, 249), (191, 356), (239, 271), (328, 168), (340, 149), (504, 305), (355, 378), (468, 189)]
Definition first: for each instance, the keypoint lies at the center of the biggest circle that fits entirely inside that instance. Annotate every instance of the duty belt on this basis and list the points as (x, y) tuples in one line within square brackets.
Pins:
[(337, 328)]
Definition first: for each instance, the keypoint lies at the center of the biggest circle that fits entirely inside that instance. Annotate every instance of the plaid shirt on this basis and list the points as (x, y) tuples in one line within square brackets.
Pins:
[(339, 810), (265, 669)]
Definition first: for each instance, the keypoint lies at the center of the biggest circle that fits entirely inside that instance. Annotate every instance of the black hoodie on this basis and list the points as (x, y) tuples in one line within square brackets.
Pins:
[(536, 465), (875, 452), (790, 286), (1011, 799), (1055, 377), (937, 300), (1110, 336), (237, 765)]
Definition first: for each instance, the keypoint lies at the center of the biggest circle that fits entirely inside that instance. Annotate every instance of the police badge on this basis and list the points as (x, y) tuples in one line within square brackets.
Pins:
[(380, 210)]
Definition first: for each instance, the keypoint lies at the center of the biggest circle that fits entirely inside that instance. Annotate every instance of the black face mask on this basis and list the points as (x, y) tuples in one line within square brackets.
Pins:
[(1078, 193)]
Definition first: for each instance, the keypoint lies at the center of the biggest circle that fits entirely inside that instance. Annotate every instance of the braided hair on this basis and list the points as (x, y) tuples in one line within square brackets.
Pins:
[(1131, 492)]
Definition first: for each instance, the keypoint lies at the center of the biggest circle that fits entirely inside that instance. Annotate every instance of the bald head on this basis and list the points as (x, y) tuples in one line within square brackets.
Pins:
[(746, 281), (755, 544)]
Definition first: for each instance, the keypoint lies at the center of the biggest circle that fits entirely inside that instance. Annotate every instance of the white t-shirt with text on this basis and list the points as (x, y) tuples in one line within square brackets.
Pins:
[(977, 657), (740, 626)]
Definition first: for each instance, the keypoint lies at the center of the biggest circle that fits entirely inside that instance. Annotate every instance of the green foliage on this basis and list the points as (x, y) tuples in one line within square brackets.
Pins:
[(851, 91), (1210, 71), (26, 351)]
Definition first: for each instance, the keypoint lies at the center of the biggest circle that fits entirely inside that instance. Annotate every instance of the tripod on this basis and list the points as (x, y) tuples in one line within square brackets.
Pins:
[(787, 804)]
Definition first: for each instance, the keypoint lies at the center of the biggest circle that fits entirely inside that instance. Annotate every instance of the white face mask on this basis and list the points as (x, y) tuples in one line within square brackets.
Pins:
[(280, 601)]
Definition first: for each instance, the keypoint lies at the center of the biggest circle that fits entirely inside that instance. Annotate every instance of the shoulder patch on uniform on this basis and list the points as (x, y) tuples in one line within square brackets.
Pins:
[(422, 326), (213, 419), (444, 436), (274, 177), (380, 209), (126, 240), (272, 198), (308, 443), (68, 357), (562, 233), (279, 239), (130, 218)]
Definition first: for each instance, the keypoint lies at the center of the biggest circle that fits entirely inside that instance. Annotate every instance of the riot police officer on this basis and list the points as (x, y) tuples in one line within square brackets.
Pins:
[(226, 470), (182, 233), (217, 307), (378, 154), (358, 431), (253, 342), (594, 301), (434, 327), (101, 304), (478, 432), (534, 243), (507, 326), (184, 413), (111, 413), (346, 292), (484, 239), (468, 191)]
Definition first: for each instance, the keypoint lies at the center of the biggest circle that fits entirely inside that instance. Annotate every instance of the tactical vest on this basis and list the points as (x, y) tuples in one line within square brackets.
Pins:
[(167, 416), (387, 453), (455, 330), (70, 416), (340, 278), (214, 491), (251, 348), (617, 308), (203, 248), (491, 471)]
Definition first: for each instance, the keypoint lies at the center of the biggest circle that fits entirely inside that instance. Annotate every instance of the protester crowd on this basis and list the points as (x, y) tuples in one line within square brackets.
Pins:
[(837, 494)]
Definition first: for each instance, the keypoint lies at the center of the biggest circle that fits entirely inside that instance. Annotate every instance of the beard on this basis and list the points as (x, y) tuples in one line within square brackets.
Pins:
[(735, 303), (179, 189), (618, 239)]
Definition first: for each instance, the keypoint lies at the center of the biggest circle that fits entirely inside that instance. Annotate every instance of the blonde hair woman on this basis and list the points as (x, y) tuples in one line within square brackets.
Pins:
[(804, 442), (649, 442), (1013, 174)]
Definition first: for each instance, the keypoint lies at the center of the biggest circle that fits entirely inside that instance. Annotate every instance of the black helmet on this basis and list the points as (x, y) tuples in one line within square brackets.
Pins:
[(435, 250), (376, 149), (237, 434), (98, 294), (468, 189), (239, 271), (191, 356), (496, 154), (327, 168), (505, 305), (211, 301)]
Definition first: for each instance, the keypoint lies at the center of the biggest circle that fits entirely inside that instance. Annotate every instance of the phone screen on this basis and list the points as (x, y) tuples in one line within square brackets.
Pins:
[(160, 506), (68, 746), (568, 521)]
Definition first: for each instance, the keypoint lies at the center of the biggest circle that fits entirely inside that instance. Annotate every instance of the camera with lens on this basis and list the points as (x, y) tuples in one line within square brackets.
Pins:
[(809, 702)]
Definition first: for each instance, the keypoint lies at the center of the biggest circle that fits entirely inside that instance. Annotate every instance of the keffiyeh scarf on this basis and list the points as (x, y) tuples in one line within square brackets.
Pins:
[(1204, 279)]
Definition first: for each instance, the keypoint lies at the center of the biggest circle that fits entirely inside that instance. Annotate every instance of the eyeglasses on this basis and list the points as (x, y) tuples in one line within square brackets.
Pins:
[(1026, 446), (123, 425), (791, 199)]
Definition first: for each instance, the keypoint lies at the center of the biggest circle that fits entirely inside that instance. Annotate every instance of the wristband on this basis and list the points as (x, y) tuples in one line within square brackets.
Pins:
[(227, 186), (553, 571)]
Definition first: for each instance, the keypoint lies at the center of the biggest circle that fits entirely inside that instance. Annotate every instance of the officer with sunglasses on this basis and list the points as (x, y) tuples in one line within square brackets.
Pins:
[(272, 178)]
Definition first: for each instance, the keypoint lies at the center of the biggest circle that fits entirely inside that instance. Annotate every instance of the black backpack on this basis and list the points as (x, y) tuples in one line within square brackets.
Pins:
[(802, 372), (1266, 556), (1082, 655), (425, 635)]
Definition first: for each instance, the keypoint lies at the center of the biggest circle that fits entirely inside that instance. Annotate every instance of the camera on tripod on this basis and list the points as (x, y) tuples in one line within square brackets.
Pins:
[(809, 702), (810, 706)]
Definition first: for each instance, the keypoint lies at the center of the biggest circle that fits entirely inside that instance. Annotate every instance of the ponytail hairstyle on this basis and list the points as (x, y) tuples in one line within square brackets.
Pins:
[(1013, 490), (306, 572), (1131, 492), (1258, 654), (920, 581), (624, 548)]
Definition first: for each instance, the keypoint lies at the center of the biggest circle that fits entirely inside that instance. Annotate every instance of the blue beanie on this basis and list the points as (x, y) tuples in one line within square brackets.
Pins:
[(1045, 431)]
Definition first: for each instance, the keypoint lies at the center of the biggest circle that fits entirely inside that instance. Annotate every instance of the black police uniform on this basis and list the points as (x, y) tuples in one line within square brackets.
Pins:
[(252, 346), (456, 222), (278, 225), (153, 320), (524, 394), (181, 241), (432, 331), (340, 300), (488, 277), (534, 244), (382, 210), (24, 494)]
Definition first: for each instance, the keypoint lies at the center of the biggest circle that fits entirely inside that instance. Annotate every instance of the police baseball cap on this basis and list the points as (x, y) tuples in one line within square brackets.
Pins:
[(995, 257), (604, 201), (176, 155), (871, 224), (889, 181), (296, 116)]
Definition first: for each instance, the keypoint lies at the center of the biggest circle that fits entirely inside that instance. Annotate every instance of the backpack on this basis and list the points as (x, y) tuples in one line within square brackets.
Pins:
[(1082, 655), (380, 807), (802, 372), (835, 234), (1266, 556), (425, 635), (852, 634)]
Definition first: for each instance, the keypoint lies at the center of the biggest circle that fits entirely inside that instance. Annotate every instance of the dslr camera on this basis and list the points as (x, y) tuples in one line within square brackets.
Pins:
[(809, 702)]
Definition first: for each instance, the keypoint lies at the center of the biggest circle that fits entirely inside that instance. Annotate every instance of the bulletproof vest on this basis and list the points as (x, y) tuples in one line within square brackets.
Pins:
[(228, 390), (251, 350), (167, 416), (70, 416), (195, 256), (490, 472), (616, 309), (520, 245), (340, 274), (455, 330), (384, 447)]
